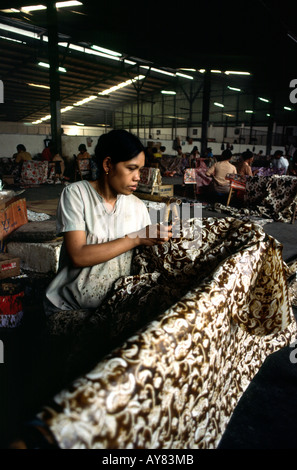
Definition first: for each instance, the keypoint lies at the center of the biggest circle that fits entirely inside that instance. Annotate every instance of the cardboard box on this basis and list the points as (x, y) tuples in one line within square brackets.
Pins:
[(8, 179), (165, 190), (13, 214), (9, 266)]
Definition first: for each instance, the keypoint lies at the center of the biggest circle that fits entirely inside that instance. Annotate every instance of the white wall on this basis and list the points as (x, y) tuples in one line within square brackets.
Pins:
[(33, 143), (33, 137)]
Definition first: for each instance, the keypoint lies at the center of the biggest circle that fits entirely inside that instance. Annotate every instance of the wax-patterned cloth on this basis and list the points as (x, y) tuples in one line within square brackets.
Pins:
[(191, 326)]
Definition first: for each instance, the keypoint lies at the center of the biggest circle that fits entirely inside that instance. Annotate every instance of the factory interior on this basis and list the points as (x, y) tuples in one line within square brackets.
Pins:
[(195, 348)]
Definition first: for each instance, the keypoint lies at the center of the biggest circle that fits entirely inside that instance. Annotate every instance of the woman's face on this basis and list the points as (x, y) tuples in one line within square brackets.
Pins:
[(123, 177)]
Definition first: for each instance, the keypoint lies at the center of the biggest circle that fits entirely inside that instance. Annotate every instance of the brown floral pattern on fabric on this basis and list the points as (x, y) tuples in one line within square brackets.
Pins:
[(274, 195), (216, 304)]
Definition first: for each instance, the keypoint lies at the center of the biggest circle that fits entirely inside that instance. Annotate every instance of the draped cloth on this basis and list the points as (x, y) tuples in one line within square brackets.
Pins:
[(196, 320), (273, 196)]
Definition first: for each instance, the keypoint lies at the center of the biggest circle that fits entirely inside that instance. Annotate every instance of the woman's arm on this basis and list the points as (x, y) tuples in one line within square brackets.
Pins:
[(82, 254)]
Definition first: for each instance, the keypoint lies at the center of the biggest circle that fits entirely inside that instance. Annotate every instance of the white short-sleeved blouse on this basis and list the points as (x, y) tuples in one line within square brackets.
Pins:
[(82, 208)]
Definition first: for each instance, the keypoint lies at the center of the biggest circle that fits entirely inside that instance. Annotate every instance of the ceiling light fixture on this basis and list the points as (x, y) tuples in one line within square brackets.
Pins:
[(47, 66), (234, 89), (233, 72), (38, 86), (85, 50), (70, 3), (248, 111), (216, 71), (164, 72), (23, 32), (85, 100), (288, 109), (121, 85), (263, 99), (67, 108), (219, 104), (11, 10), (106, 51), (13, 40), (175, 117), (30, 8), (183, 75), (168, 92)]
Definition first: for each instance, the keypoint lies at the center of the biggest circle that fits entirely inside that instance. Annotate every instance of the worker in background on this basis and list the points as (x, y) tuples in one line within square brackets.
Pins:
[(22, 155), (82, 152)]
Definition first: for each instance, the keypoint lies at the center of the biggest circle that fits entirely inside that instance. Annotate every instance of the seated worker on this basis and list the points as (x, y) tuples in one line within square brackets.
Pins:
[(244, 166), (46, 155), (218, 172), (22, 155), (59, 165), (162, 150), (194, 157), (280, 162), (156, 153), (82, 152), (102, 222)]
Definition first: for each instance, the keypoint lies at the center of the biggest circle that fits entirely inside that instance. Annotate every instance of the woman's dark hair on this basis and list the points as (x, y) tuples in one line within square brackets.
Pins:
[(21, 148), (247, 155), (119, 145), (226, 155), (82, 148)]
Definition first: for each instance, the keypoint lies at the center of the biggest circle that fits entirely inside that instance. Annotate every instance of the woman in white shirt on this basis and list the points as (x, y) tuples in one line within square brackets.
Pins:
[(101, 222)]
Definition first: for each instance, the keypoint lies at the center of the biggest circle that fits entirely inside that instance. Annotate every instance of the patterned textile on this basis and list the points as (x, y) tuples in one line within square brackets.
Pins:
[(84, 165), (273, 196), (190, 176), (34, 172), (197, 176), (238, 178), (201, 314), (263, 171), (171, 163), (150, 179)]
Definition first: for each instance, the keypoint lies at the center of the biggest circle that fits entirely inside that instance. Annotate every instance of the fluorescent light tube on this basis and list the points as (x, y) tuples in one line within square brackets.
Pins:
[(167, 92), (38, 86), (184, 75), (33, 8), (106, 51), (234, 89), (164, 72), (70, 3), (233, 72), (46, 65)]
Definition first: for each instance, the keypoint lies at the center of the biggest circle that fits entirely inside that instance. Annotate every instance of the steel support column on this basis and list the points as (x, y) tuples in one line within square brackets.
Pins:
[(53, 55), (269, 138), (205, 112)]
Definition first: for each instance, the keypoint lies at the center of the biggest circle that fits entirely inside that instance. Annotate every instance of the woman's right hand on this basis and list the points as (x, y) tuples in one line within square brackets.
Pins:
[(154, 234)]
